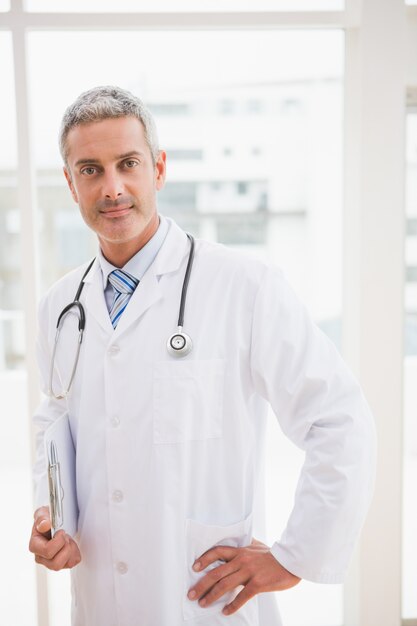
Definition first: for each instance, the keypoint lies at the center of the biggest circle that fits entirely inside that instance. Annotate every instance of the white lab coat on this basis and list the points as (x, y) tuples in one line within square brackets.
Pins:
[(168, 449)]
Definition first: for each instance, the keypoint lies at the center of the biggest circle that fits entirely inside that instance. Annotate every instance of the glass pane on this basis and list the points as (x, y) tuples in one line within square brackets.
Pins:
[(15, 461), (412, 2), (4, 5), (254, 151), (409, 581), (84, 6)]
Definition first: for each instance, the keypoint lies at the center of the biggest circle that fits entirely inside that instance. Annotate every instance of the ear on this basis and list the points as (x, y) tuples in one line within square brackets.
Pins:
[(160, 170), (70, 184)]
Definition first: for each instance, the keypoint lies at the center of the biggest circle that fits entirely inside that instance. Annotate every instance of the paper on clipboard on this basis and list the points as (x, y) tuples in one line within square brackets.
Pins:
[(60, 459)]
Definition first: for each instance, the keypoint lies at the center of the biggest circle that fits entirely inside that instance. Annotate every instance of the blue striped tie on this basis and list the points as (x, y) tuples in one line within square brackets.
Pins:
[(124, 285)]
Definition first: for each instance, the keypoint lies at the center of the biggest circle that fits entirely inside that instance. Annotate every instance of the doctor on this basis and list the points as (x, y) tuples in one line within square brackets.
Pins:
[(169, 448)]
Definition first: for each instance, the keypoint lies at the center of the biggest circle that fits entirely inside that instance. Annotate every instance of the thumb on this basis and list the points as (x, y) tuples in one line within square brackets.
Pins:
[(43, 525), (42, 520)]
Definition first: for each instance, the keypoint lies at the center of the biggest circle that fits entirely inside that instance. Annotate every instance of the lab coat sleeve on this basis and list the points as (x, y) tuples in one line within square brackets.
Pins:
[(320, 408), (48, 410)]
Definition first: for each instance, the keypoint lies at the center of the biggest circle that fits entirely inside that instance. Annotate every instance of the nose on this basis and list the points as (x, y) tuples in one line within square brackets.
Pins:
[(112, 185)]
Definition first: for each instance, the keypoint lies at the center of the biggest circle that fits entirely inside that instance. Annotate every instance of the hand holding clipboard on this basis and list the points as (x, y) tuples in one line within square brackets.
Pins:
[(52, 540)]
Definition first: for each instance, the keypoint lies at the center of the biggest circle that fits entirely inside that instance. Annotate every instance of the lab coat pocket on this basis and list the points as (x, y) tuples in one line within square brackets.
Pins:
[(188, 400), (200, 538)]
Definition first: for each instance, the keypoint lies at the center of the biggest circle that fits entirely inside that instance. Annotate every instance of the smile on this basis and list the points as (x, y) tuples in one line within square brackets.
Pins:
[(116, 212)]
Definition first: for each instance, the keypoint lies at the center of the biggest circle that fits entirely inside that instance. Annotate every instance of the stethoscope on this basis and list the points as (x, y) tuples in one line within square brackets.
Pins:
[(179, 343)]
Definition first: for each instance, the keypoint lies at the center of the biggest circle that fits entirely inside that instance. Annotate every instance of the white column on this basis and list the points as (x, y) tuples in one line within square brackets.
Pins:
[(29, 256), (373, 287)]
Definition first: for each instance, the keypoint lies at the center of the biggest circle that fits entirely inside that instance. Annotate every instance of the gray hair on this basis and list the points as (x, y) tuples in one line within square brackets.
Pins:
[(101, 103)]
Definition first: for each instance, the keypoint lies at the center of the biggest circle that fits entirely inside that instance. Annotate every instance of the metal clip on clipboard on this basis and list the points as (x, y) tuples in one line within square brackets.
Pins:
[(56, 490)]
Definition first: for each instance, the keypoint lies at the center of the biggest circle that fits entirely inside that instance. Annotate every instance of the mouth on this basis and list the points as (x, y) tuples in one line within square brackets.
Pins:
[(115, 212)]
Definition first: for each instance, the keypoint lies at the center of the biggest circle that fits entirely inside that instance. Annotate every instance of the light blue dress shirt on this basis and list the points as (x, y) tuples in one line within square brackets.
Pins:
[(137, 265)]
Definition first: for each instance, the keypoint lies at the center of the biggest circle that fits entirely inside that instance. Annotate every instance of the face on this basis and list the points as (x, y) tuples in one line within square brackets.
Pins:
[(113, 179)]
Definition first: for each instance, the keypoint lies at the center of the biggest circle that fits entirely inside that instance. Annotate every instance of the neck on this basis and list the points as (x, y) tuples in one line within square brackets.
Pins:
[(118, 254)]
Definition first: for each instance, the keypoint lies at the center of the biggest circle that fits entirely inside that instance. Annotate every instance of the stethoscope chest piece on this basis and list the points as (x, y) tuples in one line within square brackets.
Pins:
[(179, 344)]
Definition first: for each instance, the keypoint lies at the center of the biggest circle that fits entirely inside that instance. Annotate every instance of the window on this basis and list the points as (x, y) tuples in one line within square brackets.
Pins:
[(411, 226), (249, 228), (254, 106), (185, 155), (178, 198), (411, 274), (227, 107), (170, 108), (287, 209)]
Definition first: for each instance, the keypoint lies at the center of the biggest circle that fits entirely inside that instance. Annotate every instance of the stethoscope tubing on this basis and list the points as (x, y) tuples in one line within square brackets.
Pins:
[(81, 326), (186, 281), (175, 347)]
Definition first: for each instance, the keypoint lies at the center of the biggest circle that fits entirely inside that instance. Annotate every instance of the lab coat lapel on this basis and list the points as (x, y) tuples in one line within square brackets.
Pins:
[(149, 290), (94, 300)]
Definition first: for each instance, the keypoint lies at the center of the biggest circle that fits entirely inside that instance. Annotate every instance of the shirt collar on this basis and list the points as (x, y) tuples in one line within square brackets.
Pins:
[(141, 261)]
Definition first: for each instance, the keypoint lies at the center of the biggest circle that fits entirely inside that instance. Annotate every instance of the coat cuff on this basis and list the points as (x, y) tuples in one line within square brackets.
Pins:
[(282, 555)]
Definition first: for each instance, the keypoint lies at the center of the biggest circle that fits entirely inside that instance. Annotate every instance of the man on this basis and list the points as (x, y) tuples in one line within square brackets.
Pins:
[(168, 448)]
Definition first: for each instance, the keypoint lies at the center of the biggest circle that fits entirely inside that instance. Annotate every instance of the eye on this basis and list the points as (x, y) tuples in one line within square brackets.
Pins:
[(131, 163), (88, 171)]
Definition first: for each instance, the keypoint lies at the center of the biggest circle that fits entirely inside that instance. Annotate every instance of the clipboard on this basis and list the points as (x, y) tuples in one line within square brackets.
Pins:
[(61, 471)]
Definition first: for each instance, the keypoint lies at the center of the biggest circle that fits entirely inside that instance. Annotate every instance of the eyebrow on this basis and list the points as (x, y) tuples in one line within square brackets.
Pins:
[(118, 157)]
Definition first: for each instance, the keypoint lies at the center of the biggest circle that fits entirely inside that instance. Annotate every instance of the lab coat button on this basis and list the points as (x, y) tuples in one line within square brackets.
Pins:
[(113, 350), (117, 495), (115, 421), (122, 567)]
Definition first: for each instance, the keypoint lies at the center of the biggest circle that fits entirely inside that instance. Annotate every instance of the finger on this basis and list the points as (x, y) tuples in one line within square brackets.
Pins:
[(210, 579), (218, 553), (223, 586), (75, 557), (246, 594), (59, 561), (73, 560), (47, 548)]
